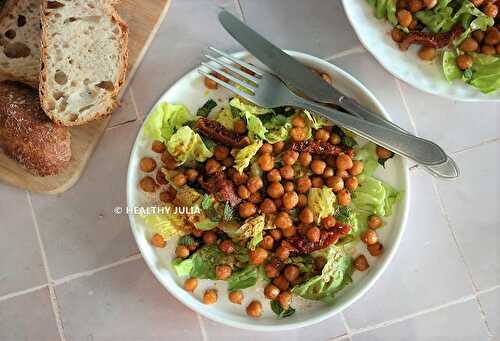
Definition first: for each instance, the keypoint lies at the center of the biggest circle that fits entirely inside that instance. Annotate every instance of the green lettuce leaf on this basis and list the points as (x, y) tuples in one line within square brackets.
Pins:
[(245, 155), (182, 267), (245, 107), (187, 145), (255, 127), (315, 121), (167, 225), (335, 275), (225, 117), (385, 9), (164, 121), (321, 201), (243, 279), (278, 127), (374, 196), (279, 311), (368, 154), (450, 68), (252, 229), (485, 73), (437, 19)]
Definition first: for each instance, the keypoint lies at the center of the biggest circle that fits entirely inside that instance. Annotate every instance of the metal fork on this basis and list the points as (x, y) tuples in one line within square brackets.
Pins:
[(266, 90)]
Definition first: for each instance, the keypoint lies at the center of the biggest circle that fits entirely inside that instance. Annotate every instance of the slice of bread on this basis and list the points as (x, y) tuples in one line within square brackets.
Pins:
[(83, 59), (20, 41)]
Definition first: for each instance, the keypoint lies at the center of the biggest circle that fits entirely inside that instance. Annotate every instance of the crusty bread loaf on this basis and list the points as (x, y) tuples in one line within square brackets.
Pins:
[(20, 40), (83, 59), (27, 135)]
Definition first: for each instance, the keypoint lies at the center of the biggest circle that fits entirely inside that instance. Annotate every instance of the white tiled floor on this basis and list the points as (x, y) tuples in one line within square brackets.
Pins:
[(70, 270)]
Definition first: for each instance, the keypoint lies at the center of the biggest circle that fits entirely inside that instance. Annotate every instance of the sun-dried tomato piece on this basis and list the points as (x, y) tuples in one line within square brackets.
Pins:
[(314, 147), (221, 134), (429, 39)]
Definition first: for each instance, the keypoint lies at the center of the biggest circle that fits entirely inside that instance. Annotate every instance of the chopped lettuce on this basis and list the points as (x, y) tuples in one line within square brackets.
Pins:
[(167, 225), (321, 201), (208, 257), (165, 119), (243, 279), (182, 267), (450, 68), (368, 154), (255, 127), (315, 121), (186, 145), (437, 19), (277, 127), (245, 155), (374, 196), (336, 274), (252, 229), (242, 106), (385, 9), (225, 117)]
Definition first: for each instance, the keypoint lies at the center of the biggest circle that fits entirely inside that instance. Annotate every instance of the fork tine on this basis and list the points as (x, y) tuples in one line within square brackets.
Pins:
[(245, 95), (228, 76), (237, 61), (239, 72)]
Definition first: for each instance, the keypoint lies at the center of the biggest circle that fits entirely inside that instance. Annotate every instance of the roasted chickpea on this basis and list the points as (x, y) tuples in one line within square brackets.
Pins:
[(289, 232), (210, 296), (158, 241), (344, 162), (404, 17), (181, 251), (291, 272), (223, 272), (236, 296), (477, 3), (212, 166), (243, 192), (383, 153), (328, 222), (289, 186), (401, 4), (488, 50), (191, 174), (319, 262), (303, 184), (318, 166), (281, 282), (397, 35), (490, 9), (336, 183), (374, 222), (464, 62), (274, 176), (210, 84), (197, 233), (344, 197), (351, 183), (267, 242), (147, 164), (158, 147), (414, 5), (427, 53), (317, 181), (287, 172), (361, 263), (375, 249), (342, 174), (247, 209), (169, 161), (267, 206), (255, 198), (271, 291), (254, 184), (306, 216), (266, 148), (258, 256), (239, 126), (160, 178), (227, 246), (282, 253), (275, 190), (335, 139), (148, 184), (190, 284), (271, 271), (357, 167), (278, 203), (298, 134), (266, 162), (305, 159), (302, 200), (276, 234), (478, 35), (254, 309), (313, 234), (328, 172), (290, 200), (283, 220), (298, 121), (284, 299), (469, 45), (221, 152), (278, 147), (429, 4), (209, 237), (167, 196), (180, 180), (239, 178), (322, 135), (369, 237), (290, 157)]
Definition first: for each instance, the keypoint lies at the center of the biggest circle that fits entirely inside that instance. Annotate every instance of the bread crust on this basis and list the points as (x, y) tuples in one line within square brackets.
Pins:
[(122, 73), (27, 135)]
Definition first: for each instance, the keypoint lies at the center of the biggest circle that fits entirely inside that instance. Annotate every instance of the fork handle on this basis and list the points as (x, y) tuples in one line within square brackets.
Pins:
[(423, 151)]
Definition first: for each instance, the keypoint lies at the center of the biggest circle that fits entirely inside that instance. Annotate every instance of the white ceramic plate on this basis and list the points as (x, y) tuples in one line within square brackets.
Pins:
[(375, 35), (190, 91)]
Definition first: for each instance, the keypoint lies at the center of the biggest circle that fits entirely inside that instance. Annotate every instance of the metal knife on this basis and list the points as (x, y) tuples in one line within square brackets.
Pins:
[(300, 78)]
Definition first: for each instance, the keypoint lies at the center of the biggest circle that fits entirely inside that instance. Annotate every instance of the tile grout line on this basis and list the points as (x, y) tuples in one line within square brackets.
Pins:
[(134, 103), (488, 290), (346, 325), (52, 294), (352, 50), (23, 292), (413, 315), (480, 144), (405, 104), (74, 276), (202, 327), (475, 287)]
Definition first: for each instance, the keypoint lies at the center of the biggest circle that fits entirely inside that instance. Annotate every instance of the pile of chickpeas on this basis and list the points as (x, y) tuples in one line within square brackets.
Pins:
[(482, 42)]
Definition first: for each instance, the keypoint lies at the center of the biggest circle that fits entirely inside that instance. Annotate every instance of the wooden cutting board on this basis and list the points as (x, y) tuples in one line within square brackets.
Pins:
[(143, 18)]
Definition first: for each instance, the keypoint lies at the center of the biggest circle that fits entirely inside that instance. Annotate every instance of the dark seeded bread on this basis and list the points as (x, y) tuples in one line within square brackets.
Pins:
[(27, 135), (83, 59)]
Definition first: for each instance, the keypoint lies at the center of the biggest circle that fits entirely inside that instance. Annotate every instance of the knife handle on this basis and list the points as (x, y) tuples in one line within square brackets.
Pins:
[(423, 151)]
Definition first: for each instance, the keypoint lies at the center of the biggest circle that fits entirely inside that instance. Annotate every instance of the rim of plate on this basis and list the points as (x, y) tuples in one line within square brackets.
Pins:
[(310, 321), (473, 95)]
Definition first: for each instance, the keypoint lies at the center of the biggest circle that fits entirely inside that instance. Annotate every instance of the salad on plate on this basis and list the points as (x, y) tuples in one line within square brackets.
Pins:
[(463, 34), (273, 197)]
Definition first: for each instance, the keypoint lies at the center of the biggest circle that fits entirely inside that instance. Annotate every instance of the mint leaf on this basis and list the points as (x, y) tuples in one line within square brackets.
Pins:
[(205, 110), (278, 310), (186, 240)]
